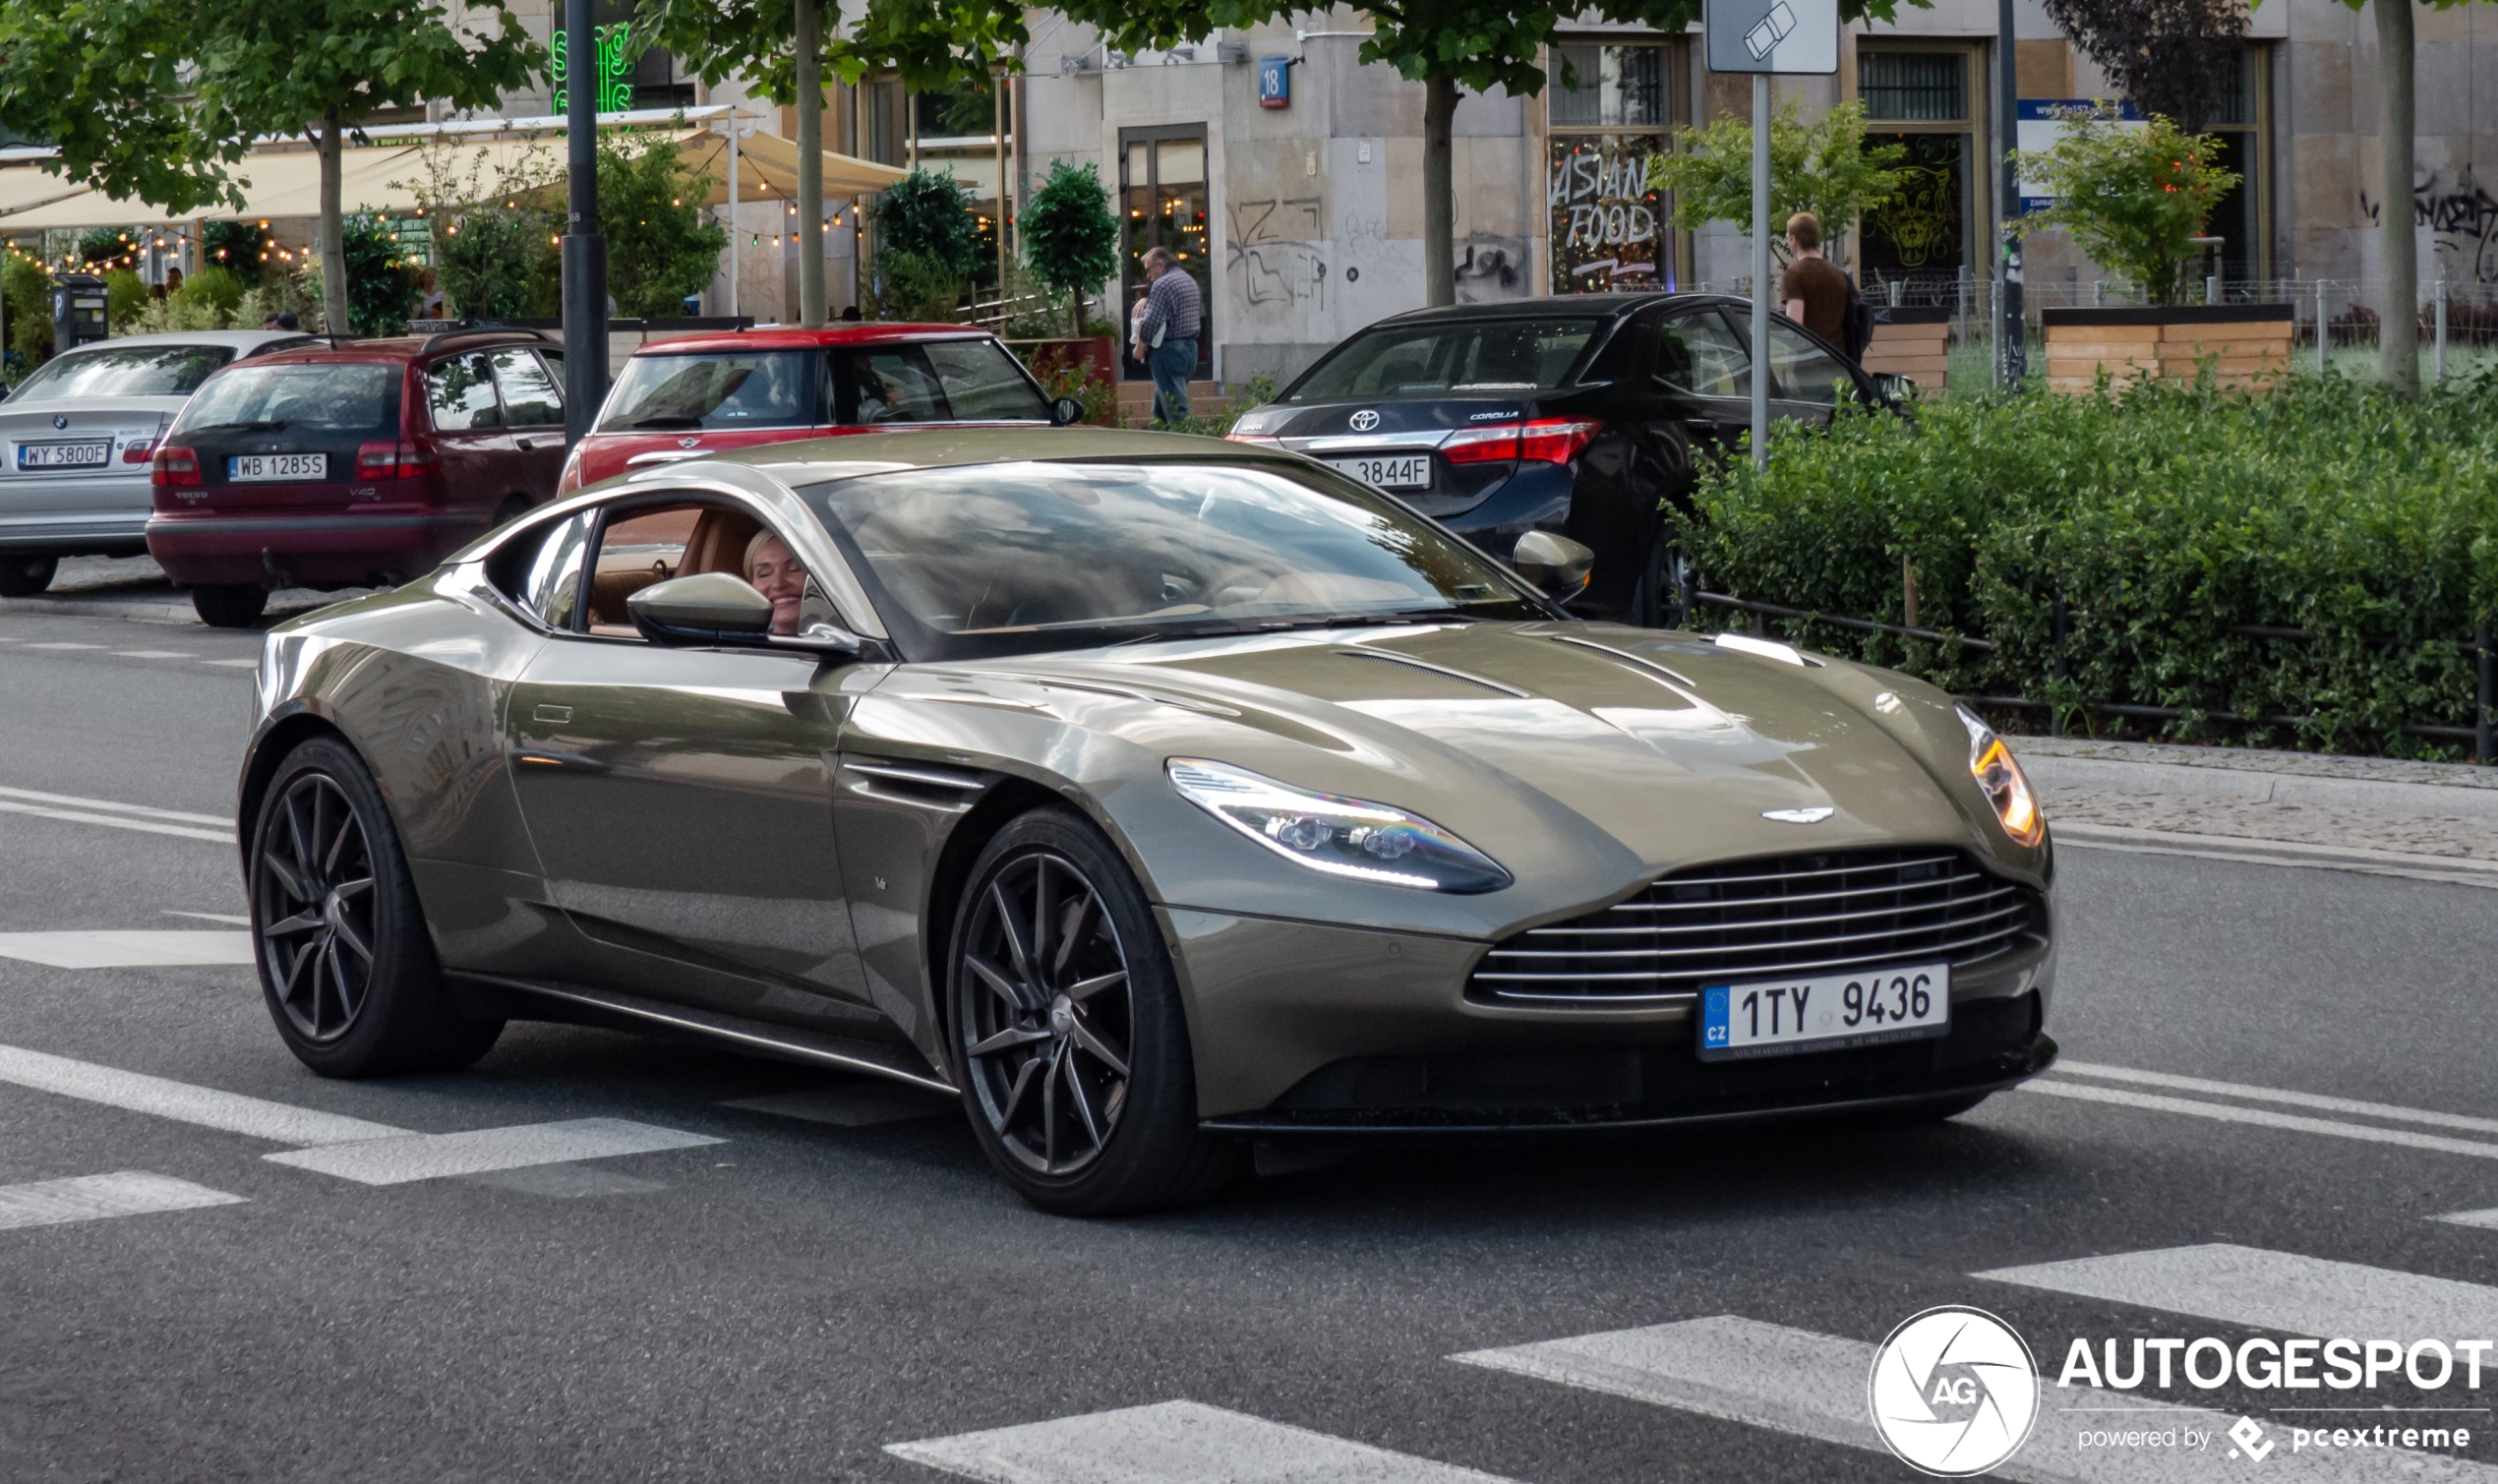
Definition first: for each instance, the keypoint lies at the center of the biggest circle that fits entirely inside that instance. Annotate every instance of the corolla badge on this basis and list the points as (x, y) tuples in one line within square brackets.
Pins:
[(59, 421), (689, 443), (1799, 816), (1364, 420)]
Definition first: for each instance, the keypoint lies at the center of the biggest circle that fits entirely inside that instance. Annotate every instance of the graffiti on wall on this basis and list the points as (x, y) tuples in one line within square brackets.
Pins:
[(1272, 253), (2461, 220), (1607, 225)]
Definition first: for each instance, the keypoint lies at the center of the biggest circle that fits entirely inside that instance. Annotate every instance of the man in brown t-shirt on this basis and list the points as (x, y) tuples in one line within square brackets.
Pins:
[(1815, 290)]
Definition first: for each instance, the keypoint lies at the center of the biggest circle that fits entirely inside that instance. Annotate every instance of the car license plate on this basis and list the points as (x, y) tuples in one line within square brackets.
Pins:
[(250, 466), (1830, 1012), (1399, 471), (63, 455)]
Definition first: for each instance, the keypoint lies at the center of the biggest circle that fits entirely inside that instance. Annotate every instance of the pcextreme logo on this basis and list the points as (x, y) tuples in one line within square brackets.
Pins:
[(1954, 1392)]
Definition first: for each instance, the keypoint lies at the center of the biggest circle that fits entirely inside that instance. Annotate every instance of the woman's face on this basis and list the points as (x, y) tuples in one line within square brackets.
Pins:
[(777, 575)]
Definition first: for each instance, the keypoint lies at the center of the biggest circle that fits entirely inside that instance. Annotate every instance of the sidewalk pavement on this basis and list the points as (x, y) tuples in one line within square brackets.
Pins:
[(2432, 821)]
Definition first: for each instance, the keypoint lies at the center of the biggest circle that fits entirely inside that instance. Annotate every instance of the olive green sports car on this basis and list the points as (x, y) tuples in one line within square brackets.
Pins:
[(1162, 797)]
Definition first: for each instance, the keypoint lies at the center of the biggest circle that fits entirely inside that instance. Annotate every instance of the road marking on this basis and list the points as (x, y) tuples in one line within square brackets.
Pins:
[(2456, 870), (431, 1156), (146, 826), (93, 1198), (156, 654), (211, 917), (64, 646), (2488, 1218), (1813, 1386), (233, 663), (2385, 1111), (2226, 1113), (138, 1092), (151, 949), (120, 816), (846, 1106), (110, 806), (1173, 1443), (2273, 1290)]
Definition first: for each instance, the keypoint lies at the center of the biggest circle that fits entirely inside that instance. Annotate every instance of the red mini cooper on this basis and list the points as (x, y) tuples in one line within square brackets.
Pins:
[(705, 394)]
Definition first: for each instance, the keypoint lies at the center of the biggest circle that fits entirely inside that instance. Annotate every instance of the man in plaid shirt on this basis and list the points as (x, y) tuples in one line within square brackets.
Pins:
[(1169, 326)]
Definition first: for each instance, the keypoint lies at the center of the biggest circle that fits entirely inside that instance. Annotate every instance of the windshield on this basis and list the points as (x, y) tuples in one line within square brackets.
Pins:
[(125, 371), (1494, 356), (1008, 558), (337, 396), (762, 388)]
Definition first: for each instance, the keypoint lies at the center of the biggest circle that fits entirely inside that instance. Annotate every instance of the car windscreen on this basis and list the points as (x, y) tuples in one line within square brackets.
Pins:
[(330, 396), (124, 371), (1016, 557), (749, 389), (1494, 356)]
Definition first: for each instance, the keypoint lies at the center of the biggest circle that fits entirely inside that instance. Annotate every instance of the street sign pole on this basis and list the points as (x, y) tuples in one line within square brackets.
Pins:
[(1764, 38), (1761, 305), (584, 262), (2015, 336)]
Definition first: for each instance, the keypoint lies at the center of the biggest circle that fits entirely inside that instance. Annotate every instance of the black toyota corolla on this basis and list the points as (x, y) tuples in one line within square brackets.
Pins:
[(1575, 416)]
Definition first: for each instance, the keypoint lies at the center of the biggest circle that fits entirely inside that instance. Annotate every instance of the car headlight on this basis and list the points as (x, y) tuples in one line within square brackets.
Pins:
[(2006, 788), (1342, 837)]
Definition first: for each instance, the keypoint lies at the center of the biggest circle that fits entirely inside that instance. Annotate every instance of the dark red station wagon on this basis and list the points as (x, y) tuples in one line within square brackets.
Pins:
[(705, 395), (353, 464)]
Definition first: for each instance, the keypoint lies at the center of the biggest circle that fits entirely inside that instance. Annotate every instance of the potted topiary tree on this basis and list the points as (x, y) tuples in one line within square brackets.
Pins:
[(2135, 196), (1071, 244)]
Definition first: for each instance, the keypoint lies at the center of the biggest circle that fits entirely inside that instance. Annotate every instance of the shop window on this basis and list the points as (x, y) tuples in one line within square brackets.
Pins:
[(1923, 237), (1597, 86), (1606, 106)]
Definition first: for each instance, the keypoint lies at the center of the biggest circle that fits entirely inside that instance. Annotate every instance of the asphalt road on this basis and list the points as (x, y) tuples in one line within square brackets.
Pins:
[(790, 1300)]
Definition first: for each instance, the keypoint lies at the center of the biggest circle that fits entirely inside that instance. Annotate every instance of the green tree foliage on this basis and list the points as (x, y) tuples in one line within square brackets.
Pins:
[(125, 295), (658, 249), (2131, 196), (1071, 241), (25, 301), (2166, 518), (930, 215), (1823, 167), (216, 288), (917, 287), (491, 228), (237, 246), (105, 247)]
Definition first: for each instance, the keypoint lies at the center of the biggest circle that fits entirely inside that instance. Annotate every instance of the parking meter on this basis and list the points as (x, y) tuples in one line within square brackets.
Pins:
[(77, 311)]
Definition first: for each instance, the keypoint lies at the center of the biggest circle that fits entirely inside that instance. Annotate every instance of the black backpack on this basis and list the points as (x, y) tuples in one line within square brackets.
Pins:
[(1856, 330)]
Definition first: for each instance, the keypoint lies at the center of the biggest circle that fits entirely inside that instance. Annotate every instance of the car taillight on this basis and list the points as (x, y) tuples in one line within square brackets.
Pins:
[(174, 468), (1481, 445), (418, 458), (1558, 440), (139, 451), (378, 460)]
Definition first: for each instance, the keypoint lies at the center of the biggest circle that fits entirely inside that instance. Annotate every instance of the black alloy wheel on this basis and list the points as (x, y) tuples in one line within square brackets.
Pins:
[(1070, 1043), (22, 574), (1047, 1044), (229, 604), (346, 964)]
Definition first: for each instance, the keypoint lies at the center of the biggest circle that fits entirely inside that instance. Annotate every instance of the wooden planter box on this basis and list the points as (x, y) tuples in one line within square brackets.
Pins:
[(1911, 342), (1098, 353), (2250, 340)]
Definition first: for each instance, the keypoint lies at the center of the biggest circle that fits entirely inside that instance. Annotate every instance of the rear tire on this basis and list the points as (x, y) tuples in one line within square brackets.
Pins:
[(1649, 596), (1067, 1034), (22, 574), (229, 604), (346, 967)]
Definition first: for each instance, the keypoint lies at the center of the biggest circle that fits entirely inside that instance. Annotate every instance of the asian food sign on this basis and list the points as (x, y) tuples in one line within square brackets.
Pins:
[(1608, 228)]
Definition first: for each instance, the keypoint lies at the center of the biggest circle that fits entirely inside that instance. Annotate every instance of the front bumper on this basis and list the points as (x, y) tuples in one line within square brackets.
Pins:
[(1308, 1027), (328, 550)]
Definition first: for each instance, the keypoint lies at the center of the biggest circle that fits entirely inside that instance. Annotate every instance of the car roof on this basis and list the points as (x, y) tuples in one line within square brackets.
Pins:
[(815, 460), (241, 339), (1553, 307), (405, 348), (793, 337)]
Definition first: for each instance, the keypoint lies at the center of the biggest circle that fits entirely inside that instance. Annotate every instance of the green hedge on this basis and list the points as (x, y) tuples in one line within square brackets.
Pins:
[(2162, 516)]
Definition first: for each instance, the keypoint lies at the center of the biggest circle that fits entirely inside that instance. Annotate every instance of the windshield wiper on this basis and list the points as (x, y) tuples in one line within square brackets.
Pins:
[(670, 421), (264, 425)]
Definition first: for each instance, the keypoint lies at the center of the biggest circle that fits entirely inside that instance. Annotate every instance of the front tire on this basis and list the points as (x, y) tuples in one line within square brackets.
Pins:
[(346, 967), (1068, 1037), (229, 604), (22, 574)]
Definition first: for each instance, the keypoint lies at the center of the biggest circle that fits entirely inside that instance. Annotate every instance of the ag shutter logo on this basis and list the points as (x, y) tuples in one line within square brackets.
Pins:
[(1954, 1392)]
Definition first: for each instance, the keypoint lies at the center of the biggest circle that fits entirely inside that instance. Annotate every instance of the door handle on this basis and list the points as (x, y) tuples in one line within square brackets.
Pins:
[(555, 714)]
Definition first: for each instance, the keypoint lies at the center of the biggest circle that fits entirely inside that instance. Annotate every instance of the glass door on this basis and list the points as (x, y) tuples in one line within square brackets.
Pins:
[(1163, 203)]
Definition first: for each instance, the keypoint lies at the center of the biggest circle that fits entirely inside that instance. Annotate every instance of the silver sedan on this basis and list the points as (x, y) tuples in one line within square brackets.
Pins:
[(75, 441)]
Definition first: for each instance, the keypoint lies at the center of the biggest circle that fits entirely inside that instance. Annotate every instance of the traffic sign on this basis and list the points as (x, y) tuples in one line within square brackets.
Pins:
[(1774, 36)]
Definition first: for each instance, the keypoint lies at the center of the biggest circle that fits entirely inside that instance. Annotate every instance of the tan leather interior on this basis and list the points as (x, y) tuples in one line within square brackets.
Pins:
[(713, 539)]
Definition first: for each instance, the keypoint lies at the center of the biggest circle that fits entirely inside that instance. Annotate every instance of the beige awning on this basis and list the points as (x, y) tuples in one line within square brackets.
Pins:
[(776, 161)]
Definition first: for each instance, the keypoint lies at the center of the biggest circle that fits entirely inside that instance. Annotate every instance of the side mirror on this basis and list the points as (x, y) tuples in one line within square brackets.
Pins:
[(709, 608), (1065, 411), (1892, 387), (1556, 565)]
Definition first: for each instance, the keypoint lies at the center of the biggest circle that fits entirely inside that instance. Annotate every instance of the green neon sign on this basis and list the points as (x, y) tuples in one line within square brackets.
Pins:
[(615, 65)]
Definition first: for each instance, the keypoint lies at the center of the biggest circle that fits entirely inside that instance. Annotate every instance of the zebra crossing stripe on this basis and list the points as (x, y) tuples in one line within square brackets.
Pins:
[(163, 1097), (93, 1198), (2274, 1290), (1173, 1443), (2487, 1219), (432, 1156), (1815, 1385)]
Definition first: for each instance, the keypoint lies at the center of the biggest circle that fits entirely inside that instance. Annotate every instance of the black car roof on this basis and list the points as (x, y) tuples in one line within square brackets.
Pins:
[(1594, 306)]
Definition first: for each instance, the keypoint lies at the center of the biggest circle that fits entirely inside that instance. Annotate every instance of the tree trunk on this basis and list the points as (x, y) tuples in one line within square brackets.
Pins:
[(1439, 206), (2398, 315), (811, 163), (333, 245)]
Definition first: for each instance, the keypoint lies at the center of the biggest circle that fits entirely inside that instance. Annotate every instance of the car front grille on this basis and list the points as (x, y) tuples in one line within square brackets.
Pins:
[(1761, 919)]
